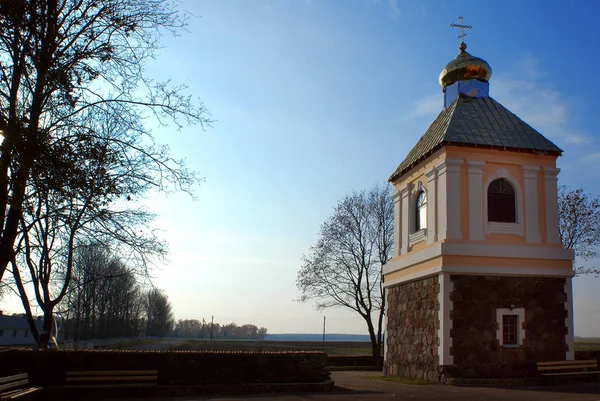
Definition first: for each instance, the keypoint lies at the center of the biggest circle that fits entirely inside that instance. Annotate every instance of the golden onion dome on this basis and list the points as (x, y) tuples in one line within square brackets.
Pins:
[(465, 67)]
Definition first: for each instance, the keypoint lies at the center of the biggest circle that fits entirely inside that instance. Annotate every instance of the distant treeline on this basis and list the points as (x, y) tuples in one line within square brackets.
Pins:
[(193, 328), (317, 337)]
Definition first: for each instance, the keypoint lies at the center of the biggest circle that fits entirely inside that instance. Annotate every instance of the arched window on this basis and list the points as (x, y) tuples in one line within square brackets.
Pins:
[(501, 202), (421, 211)]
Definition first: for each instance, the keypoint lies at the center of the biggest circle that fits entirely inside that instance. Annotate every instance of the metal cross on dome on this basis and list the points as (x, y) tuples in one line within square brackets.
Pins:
[(461, 26)]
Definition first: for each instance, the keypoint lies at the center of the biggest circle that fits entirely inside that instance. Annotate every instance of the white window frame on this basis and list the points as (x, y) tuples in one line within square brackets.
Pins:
[(500, 313), (415, 235), (494, 227)]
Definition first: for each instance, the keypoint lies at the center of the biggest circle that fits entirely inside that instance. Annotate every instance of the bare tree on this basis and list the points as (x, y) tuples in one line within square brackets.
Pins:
[(344, 268), (262, 333), (104, 299), (73, 97), (62, 61), (71, 202), (579, 221), (158, 313)]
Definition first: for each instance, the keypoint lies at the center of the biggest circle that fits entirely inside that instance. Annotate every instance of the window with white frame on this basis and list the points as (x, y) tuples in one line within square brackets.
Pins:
[(421, 211), (509, 329), (509, 326), (502, 205)]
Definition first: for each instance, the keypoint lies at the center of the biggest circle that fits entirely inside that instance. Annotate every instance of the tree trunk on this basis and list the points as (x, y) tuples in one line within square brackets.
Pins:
[(380, 330), (47, 326), (375, 343), (25, 302)]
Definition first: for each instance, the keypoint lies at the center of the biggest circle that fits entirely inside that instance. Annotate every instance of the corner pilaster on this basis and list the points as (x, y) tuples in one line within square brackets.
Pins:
[(397, 199), (445, 306), (404, 221), (449, 199), (532, 225), (476, 200), (569, 337), (551, 194), (432, 205)]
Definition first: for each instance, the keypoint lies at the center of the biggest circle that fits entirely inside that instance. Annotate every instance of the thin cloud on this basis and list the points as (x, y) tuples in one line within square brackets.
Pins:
[(591, 158), (578, 139), (529, 66), (544, 108), (392, 6), (427, 107)]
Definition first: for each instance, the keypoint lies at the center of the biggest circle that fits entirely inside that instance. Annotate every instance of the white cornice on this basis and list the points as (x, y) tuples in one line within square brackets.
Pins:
[(507, 251), (475, 164), (477, 250), (530, 171), (449, 164), (413, 258), (479, 271), (551, 172)]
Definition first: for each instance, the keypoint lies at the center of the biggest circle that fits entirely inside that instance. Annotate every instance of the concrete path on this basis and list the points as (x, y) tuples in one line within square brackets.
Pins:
[(383, 390), (352, 386)]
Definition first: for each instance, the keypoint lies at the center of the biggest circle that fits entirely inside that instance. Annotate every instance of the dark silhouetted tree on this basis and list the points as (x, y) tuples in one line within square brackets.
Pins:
[(104, 299), (579, 222), (73, 96), (344, 268), (158, 314)]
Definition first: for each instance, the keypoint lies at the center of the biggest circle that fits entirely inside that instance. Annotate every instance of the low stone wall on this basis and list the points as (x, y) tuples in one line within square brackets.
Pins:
[(412, 331), (490, 371), (48, 367), (501, 371), (582, 355)]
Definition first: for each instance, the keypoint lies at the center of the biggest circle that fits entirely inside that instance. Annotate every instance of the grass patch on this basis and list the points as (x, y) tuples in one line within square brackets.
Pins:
[(587, 344), (341, 351), (332, 348), (350, 368), (402, 380)]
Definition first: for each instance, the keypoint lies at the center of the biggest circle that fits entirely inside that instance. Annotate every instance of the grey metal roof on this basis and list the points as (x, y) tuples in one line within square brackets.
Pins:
[(16, 322), (477, 122)]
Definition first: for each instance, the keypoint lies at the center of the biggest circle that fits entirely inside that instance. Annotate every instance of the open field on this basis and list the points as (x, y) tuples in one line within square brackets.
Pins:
[(332, 348), (185, 344), (587, 344)]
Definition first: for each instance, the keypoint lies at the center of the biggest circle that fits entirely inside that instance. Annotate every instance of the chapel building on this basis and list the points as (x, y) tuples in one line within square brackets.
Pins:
[(479, 284)]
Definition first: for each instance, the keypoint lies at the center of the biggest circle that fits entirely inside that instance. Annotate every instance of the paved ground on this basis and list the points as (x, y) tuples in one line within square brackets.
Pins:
[(353, 387)]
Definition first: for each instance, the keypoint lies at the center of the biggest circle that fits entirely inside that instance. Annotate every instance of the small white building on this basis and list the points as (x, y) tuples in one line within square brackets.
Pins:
[(15, 330)]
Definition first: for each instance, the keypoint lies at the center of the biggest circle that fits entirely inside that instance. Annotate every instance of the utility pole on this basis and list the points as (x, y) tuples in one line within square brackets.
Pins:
[(212, 320)]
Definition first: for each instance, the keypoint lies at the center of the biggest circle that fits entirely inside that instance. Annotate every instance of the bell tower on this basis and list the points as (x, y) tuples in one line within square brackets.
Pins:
[(480, 284)]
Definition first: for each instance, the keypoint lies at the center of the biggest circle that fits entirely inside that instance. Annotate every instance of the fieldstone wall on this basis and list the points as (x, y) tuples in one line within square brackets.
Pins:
[(49, 367), (412, 330), (477, 352)]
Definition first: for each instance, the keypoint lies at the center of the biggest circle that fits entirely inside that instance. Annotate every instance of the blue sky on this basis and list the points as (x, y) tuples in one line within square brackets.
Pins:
[(313, 99)]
